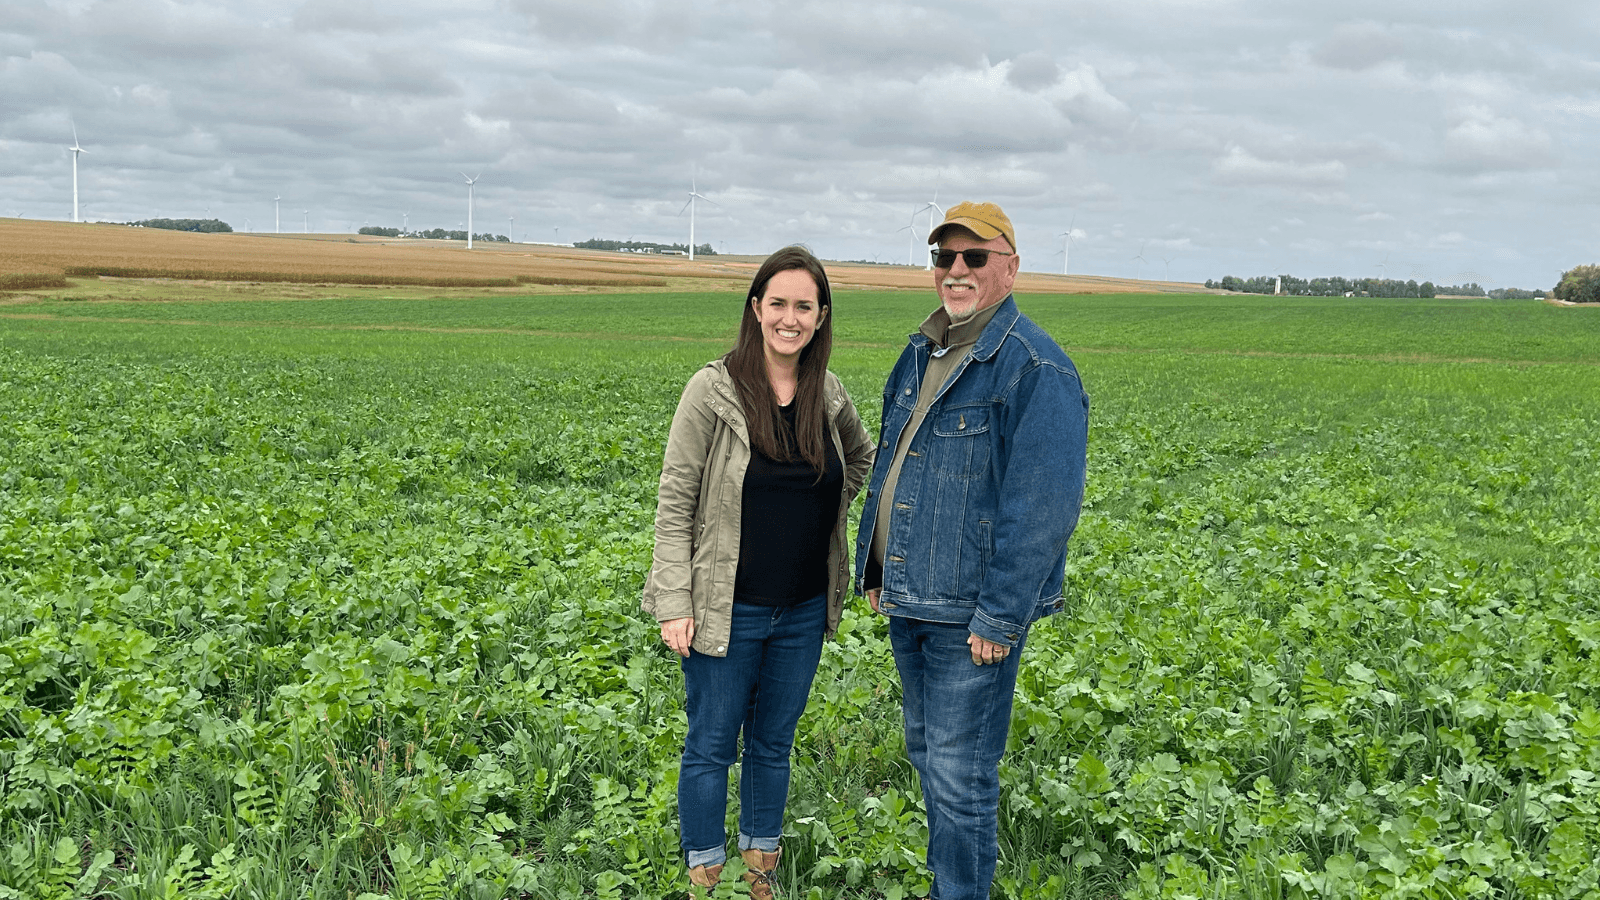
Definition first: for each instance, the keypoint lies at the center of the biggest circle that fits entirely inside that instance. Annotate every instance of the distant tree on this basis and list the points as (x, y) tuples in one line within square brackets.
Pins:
[(380, 232), (643, 247), (208, 226), (1515, 294), (1426, 289), (1580, 285)]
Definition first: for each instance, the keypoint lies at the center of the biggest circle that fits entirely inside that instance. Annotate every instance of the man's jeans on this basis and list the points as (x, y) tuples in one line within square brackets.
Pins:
[(957, 718), (761, 687)]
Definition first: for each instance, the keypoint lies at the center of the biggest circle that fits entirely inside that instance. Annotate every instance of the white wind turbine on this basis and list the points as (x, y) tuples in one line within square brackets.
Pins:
[(1139, 260), (75, 151), (405, 222), (911, 237), (1066, 245), (307, 222), (277, 225), (694, 195), (932, 208), (470, 183)]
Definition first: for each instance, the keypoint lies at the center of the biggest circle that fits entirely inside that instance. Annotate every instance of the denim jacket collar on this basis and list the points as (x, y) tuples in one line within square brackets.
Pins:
[(993, 336)]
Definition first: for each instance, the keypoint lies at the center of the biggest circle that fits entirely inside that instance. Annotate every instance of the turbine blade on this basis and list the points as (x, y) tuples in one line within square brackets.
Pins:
[(686, 206)]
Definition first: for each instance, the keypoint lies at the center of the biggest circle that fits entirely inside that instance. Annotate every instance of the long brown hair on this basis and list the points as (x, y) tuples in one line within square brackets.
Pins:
[(747, 363)]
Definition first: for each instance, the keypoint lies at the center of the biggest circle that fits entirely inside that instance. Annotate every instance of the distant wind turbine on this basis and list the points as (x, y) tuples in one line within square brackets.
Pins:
[(1066, 244), (693, 196), (911, 252), (277, 226), (511, 230), (1383, 268), (75, 151), (1169, 267), (470, 183), (1139, 260), (307, 223), (932, 208), (405, 222)]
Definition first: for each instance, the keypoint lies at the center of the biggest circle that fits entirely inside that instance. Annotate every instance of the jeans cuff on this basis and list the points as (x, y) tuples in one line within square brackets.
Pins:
[(764, 844), (716, 856)]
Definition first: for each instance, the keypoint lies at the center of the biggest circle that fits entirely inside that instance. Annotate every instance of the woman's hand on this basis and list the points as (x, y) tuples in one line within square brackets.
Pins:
[(678, 634)]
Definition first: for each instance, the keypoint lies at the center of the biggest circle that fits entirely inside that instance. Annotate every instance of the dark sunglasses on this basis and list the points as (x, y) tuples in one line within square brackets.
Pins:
[(976, 258)]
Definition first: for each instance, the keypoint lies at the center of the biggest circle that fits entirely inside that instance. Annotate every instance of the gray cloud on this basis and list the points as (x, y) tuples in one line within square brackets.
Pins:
[(1199, 129), (1358, 46)]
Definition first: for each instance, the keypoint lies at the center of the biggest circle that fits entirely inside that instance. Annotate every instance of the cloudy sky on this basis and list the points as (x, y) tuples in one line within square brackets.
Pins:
[(1449, 141)]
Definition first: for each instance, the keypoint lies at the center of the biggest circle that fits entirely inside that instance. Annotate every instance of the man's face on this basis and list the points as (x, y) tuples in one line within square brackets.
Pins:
[(964, 290)]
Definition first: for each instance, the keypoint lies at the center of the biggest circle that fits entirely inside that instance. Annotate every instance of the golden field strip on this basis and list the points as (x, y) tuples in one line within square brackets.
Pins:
[(53, 255)]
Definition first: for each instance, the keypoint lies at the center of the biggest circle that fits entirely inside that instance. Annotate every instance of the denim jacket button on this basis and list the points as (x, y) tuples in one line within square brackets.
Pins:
[(908, 392)]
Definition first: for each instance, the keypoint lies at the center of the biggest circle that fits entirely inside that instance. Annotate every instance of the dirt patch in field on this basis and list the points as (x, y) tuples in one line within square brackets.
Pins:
[(65, 248)]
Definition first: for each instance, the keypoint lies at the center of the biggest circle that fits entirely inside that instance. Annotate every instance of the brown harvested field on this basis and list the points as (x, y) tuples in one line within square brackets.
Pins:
[(54, 249)]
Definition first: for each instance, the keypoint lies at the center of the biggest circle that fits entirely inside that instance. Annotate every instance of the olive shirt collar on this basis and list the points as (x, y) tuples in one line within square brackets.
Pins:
[(946, 333)]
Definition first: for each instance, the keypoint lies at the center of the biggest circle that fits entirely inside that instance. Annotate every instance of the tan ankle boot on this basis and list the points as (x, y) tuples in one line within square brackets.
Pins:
[(761, 870), (704, 876)]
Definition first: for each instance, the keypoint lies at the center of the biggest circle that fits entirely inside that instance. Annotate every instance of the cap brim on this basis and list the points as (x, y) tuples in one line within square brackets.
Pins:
[(983, 230)]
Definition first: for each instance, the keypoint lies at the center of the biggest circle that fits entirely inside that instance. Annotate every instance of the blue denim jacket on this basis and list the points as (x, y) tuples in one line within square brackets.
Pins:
[(991, 485)]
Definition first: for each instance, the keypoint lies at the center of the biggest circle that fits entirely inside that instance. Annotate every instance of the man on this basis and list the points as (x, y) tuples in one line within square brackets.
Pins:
[(963, 541)]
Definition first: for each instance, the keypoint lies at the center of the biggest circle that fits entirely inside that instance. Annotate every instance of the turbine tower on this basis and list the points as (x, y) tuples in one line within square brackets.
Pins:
[(75, 151), (1139, 260), (277, 225), (693, 196), (405, 222), (1066, 245), (307, 222), (911, 237), (932, 207), (470, 183)]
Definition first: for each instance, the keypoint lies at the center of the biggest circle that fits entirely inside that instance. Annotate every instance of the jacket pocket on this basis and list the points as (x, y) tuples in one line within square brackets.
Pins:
[(959, 445)]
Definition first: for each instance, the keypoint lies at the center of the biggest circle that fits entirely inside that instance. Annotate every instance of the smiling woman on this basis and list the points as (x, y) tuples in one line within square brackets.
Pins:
[(765, 454)]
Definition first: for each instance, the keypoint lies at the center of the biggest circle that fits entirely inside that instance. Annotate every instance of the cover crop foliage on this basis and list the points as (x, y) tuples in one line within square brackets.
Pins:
[(339, 612)]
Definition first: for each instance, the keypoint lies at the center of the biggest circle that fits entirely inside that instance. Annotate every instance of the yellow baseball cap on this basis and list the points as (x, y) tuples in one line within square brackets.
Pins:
[(986, 220)]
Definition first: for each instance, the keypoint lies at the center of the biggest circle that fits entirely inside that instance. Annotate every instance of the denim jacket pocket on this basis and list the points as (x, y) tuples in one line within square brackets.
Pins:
[(959, 448)]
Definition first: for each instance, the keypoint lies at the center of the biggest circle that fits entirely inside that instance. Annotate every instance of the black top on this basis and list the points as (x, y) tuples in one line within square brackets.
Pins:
[(784, 527)]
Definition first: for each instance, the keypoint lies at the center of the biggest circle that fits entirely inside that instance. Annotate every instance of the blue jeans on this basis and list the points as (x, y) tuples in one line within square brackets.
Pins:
[(957, 717), (760, 687)]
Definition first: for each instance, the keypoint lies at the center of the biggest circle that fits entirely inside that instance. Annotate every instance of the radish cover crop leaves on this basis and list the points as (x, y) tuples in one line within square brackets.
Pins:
[(293, 611)]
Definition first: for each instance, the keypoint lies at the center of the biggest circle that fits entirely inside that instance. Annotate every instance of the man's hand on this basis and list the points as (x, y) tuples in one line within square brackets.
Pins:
[(679, 634), (872, 598), (986, 652)]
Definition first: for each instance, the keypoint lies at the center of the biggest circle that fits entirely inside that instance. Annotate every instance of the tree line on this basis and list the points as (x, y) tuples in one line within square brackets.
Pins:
[(644, 247), (1335, 286), (208, 226), (1580, 284)]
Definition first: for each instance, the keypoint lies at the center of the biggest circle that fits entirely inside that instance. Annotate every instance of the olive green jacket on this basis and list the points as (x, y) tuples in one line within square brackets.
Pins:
[(700, 504)]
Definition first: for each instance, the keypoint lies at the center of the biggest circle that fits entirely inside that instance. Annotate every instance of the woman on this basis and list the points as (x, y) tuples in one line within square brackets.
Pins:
[(750, 568)]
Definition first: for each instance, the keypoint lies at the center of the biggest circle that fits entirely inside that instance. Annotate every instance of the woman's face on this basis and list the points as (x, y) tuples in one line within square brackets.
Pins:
[(789, 315)]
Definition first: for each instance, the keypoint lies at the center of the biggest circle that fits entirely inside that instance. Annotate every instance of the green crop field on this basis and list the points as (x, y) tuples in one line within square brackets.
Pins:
[(339, 597)]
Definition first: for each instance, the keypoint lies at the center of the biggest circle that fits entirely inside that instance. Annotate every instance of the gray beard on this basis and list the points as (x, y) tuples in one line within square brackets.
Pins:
[(958, 319)]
